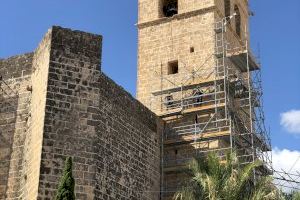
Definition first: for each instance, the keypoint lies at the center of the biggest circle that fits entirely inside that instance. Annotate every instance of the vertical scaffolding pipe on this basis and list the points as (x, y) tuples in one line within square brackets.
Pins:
[(250, 106), (225, 68), (195, 135), (162, 184), (224, 44), (181, 90), (215, 85), (217, 65)]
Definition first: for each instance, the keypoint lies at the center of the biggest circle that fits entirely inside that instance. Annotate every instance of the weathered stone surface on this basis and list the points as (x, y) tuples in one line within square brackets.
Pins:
[(14, 109), (179, 55), (73, 109)]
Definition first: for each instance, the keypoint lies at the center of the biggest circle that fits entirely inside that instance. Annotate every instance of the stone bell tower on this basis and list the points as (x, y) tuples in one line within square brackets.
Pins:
[(176, 42), (196, 71)]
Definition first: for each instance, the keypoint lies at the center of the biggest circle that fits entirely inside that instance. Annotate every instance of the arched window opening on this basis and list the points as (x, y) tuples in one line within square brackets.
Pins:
[(237, 20), (227, 6), (170, 7)]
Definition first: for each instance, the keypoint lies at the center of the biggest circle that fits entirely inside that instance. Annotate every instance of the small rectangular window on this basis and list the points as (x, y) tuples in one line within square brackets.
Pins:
[(192, 49), (173, 67)]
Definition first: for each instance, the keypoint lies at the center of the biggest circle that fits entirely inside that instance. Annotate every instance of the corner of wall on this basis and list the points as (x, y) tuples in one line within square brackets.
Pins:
[(33, 144)]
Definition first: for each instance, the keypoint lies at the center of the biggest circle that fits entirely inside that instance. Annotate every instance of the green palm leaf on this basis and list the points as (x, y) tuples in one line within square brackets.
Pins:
[(212, 179)]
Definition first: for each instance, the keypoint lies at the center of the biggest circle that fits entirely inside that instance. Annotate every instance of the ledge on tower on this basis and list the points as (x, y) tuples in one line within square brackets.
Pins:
[(243, 58)]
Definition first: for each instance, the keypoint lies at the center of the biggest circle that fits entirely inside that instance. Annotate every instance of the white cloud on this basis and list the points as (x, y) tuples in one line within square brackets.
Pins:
[(287, 161), (291, 121)]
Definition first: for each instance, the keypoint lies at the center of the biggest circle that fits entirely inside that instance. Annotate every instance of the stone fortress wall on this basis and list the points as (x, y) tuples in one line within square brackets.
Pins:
[(63, 105)]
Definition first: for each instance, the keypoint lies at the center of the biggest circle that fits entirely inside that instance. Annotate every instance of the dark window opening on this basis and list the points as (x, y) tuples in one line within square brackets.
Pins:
[(170, 8), (237, 20), (176, 151), (169, 100), (192, 50), (173, 67), (227, 6)]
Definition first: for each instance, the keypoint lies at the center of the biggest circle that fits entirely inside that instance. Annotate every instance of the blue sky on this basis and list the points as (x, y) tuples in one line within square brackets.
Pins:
[(275, 28)]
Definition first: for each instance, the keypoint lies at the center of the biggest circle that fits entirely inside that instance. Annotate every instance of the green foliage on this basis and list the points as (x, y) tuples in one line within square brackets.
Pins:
[(296, 196), (292, 196), (67, 184), (212, 179)]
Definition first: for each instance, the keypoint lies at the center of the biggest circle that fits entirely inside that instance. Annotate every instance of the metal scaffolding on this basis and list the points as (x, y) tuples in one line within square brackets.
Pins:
[(287, 180), (227, 101)]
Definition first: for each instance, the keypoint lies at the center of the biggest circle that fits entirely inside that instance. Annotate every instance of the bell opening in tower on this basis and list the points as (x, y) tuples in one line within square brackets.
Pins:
[(237, 20), (170, 8)]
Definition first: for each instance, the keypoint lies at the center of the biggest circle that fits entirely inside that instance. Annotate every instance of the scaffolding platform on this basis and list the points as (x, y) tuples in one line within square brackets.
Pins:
[(182, 111), (196, 137), (165, 114), (203, 108), (242, 58), (215, 107), (191, 85)]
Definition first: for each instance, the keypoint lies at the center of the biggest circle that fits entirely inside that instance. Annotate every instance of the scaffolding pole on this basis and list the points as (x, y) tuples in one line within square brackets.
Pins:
[(231, 110)]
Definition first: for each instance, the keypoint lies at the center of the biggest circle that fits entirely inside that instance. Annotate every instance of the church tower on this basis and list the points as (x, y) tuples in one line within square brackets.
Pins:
[(196, 71)]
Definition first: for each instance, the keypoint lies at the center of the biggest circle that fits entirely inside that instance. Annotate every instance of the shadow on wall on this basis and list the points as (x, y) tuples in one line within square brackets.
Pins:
[(8, 113)]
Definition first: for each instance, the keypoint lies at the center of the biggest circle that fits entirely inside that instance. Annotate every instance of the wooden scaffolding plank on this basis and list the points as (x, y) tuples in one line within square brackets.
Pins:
[(193, 84), (239, 58), (203, 108), (191, 137)]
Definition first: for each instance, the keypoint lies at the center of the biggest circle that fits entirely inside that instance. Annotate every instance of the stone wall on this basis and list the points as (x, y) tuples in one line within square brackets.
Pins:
[(189, 44), (244, 12), (73, 109), (14, 109), (188, 39), (150, 10), (34, 138), (16, 66)]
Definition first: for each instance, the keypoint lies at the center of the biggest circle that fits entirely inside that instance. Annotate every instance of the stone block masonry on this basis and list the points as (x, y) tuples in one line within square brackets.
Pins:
[(14, 109), (75, 110)]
